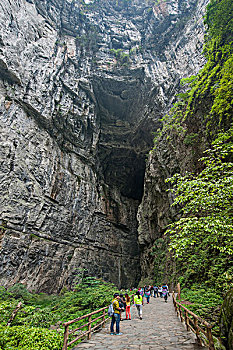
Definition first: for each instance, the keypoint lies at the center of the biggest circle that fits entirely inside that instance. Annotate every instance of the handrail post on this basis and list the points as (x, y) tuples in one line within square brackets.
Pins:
[(173, 298), (104, 313), (181, 316), (175, 304), (66, 335), (210, 338), (197, 331), (89, 328), (178, 290), (186, 320)]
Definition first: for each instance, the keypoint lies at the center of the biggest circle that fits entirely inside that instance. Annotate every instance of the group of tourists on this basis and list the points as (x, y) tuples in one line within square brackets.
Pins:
[(122, 303)]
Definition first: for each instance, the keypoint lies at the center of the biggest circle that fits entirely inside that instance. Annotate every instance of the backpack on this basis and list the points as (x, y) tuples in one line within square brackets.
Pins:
[(110, 310)]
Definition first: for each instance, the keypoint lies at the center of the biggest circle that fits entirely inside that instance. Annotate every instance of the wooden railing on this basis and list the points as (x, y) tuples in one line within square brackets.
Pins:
[(195, 323), (78, 330)]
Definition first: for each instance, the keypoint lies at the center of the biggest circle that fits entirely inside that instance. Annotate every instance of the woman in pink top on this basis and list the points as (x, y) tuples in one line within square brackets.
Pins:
[(127, 309)]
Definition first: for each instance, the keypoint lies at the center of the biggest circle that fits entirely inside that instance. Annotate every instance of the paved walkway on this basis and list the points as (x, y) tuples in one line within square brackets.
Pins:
[(160, 329)]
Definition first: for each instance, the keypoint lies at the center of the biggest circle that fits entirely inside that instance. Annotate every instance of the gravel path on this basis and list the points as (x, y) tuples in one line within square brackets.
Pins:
[(159, 329)]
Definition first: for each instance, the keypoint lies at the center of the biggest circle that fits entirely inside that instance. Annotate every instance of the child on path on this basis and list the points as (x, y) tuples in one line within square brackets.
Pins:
[(127, 308), (138, 301)]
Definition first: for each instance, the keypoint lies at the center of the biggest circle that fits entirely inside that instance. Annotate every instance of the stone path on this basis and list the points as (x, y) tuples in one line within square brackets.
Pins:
[(160, 329)]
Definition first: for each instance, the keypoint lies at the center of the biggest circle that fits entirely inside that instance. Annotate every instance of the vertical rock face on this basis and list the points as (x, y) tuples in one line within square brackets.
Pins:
[(226, 321), (83, 84)]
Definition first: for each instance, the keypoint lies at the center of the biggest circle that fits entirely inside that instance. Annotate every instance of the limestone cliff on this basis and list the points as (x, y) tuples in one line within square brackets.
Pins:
[(83, 85), (226, 321)]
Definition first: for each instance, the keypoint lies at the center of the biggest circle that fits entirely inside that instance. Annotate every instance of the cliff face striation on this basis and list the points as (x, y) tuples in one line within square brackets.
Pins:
[(83, 85)]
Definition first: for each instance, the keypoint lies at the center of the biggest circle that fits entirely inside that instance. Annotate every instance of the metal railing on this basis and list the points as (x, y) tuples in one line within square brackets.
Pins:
[(102, 318), (195, 324)]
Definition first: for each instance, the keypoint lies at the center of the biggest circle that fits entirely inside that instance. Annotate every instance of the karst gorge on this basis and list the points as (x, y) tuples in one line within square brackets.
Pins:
[(116, 148)]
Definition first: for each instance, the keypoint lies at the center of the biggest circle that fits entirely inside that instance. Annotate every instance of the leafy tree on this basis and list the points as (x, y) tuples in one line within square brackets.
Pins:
[(205, 228)]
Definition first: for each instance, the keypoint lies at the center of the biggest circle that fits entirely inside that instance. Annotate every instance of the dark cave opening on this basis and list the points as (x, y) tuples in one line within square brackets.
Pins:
[(123, 168)]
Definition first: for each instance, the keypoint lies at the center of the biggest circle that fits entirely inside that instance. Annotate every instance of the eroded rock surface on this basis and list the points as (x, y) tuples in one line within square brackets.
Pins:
[(83, 85)]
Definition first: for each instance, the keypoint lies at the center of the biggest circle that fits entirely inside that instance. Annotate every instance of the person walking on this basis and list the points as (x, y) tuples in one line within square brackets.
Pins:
[(151, 290), (138, 301), (165, 293), (147, 295), (116, 315), (127, 308), (156, 292), (141, 292), (160, 291)]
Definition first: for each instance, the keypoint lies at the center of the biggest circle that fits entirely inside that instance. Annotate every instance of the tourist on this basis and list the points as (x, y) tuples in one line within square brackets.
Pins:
[(160, 291), (127, 308), (116, 315), (151, 290), (138, 301), (147, 295), (165, 292), (141, 292), (156, 292)]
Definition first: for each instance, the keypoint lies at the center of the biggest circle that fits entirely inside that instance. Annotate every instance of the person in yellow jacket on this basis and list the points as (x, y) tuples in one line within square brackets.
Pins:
[(116, 316), (138, 301)]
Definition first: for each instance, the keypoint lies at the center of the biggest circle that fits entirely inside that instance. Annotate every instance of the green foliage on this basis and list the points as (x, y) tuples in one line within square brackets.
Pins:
[(121, 56), (191, 139), (24, 338), (219, 20), (204, 303), (223, 93), (160, 254), (203, 234), (39, 312)]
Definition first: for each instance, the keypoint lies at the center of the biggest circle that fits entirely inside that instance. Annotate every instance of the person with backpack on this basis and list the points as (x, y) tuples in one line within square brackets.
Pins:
[(116, 309), (138, 301), (141, 292), (127, 307), (147, 295), (165, 292)]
